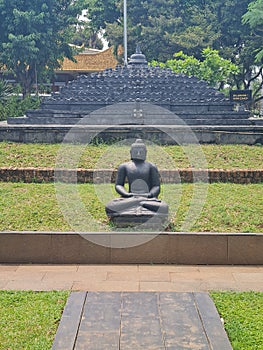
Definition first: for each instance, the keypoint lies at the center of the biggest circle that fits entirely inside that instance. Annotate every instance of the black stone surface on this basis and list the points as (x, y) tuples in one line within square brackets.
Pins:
[(145, 320)]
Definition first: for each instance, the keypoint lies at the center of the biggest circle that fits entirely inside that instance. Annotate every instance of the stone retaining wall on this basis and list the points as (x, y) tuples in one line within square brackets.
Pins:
[(188, 248), (45, 175), (162, 135)]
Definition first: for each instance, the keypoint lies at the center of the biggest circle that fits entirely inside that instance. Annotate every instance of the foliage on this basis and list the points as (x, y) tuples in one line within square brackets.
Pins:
[(5, 90), (254, 17), (28, 320), (228, 207), (213, 68), (34, 37), (238, 43), (165, 27), (100, 12), (242, 314), (154, 24), (14, 106), (86, 35)]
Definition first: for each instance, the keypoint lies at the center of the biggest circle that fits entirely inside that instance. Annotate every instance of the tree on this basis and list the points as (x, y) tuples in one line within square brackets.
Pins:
[(162, 27), (5, 90), (254, 17), (34, 37), (101, 12), (237, 42), (86, 34), (212, 68)]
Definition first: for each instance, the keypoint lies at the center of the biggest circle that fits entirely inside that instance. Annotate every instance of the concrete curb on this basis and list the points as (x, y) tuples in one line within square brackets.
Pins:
[(152, 248)]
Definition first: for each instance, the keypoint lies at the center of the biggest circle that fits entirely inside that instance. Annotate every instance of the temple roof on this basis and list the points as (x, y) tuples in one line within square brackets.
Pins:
[(90, 61)]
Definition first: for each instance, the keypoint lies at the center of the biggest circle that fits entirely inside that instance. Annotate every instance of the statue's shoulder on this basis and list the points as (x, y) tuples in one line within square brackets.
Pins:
[(124, 166), (152, 165)]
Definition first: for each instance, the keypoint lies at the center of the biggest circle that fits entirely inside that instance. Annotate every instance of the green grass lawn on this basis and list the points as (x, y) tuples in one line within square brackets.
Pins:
[(29, 320), (242, 314), (226, 208), (103, 156)]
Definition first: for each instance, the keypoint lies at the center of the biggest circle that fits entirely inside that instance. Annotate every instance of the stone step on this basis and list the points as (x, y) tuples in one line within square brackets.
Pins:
[(257, 121), (227, 122), (119, 121), (182, 107), (127, 111), (214, 115), (42, 121)]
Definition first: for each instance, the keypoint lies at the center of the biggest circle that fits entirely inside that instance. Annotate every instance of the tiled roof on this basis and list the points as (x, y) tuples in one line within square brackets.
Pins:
[(91, 61)]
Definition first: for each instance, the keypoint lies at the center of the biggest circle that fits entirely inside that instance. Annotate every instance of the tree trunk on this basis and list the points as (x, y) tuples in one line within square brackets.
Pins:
[(26, 79)]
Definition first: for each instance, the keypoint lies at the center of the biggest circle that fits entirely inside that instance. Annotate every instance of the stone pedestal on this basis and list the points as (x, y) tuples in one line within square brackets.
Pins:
[(139, 218)]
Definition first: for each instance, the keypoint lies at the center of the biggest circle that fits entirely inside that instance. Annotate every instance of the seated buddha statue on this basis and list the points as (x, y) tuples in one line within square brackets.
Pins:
[(140, 202)]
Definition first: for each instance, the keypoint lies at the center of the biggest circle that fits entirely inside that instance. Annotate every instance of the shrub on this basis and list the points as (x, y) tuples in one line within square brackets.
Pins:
[(14, 106)]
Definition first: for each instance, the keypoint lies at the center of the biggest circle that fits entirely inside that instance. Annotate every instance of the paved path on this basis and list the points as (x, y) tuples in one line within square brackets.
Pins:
[(140, 320), (186, 320), (131, 278)]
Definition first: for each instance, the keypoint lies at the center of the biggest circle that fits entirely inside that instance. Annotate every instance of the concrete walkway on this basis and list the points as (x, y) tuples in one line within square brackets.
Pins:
[(131, 278)]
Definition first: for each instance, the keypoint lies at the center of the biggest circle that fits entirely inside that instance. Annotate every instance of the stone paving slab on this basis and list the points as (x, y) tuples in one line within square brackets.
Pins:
[(140, 320), (131, 278)]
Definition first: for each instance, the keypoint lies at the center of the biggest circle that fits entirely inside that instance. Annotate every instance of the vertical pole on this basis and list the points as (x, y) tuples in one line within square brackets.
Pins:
[(36, 79), (125, 32)]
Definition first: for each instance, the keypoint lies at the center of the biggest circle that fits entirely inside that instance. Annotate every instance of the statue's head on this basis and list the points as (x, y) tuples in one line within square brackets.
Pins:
[(138, 150)]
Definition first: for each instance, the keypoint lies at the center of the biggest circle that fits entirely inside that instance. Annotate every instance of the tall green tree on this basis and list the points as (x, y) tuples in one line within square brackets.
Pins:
[(34, 36), (86, 33), (254, 17), (162, 27), (238, 43)]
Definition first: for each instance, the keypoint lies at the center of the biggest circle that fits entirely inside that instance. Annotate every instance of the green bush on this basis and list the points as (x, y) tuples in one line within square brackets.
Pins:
[(14, 106)]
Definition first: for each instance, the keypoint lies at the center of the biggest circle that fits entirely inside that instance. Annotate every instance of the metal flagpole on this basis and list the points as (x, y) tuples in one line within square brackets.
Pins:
[(125, 32)]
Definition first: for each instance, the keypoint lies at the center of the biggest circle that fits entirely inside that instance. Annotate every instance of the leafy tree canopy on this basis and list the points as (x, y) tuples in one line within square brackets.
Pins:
[(212, 68), (254, 17), (34, 36), (162, 27)]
